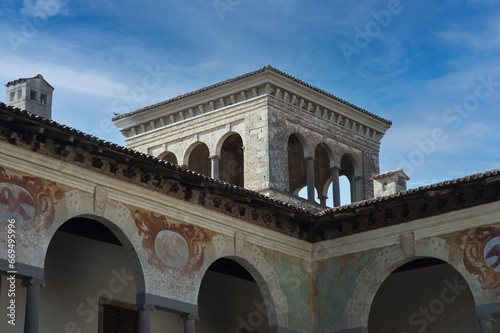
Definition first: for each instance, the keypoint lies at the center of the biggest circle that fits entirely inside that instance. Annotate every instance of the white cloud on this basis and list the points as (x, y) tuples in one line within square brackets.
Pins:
[(485, 40), (44, 8), (88, 82), (461, 84)]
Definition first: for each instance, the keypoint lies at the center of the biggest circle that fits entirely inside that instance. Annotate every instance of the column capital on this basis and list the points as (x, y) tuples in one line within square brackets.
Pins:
[(144, 317), (485, 318), (144, 306), (31, 282), (308, 158), (214, 157), (188, 316), (335, 167)]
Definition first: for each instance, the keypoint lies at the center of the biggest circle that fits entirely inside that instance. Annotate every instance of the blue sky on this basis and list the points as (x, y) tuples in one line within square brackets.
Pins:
[(429, 66)]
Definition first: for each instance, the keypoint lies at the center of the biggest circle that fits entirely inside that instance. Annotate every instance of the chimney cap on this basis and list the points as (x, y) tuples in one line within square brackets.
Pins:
[(24, 79), (390, 173)]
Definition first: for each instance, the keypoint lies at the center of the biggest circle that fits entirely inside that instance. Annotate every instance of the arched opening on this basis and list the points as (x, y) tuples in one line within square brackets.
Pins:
[(231, 160), (322, 173), (345, 192), (90, 281), (297, 168), (347, 184), (169, 157), (424, 295), (199, 160), (230, 300), (303, 193)]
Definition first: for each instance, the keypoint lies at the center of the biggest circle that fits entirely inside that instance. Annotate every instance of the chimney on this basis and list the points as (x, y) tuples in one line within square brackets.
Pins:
[(389, 183), (32, 94)]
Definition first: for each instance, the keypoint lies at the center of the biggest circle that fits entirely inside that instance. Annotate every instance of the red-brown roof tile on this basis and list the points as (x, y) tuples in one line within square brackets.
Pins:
[(266, 68), (39, 76)]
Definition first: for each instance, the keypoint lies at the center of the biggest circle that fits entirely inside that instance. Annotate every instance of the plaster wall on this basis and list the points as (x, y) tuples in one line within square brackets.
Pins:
[(82, 273), (227, 236)]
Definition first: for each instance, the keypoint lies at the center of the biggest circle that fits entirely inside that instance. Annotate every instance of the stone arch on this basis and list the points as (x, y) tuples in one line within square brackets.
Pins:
[(253, 260), (168, 156), (197, 158), (230, 149), (113, 215), (389, 259), (430, 291), (91, 261), (297, 168), (128, 244), (223, 138), (349, 168)]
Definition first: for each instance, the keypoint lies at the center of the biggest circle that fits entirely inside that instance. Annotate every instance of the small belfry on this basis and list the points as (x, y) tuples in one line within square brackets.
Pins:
[(32, 94), (266, 131)]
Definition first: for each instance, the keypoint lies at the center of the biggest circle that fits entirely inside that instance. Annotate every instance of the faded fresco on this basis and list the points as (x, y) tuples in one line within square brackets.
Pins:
[(171, 243), (295, 283), (27, 199), (481, 249), (336, 282)]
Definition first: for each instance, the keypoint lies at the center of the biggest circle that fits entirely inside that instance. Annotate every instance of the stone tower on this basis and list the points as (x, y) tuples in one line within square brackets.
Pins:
[(32, 94), (266, 131)]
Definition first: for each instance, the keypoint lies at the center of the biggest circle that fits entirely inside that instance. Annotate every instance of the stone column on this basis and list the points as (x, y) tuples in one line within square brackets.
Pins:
[(486, 322), (189, 322), (336, 186), (214, 160), (358, 194), (144, 317), (310, 178), (31, 317)]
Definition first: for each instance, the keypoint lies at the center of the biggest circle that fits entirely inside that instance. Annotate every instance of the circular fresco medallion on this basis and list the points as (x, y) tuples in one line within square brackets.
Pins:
[(172, 248), (491, 254), (16, 203)]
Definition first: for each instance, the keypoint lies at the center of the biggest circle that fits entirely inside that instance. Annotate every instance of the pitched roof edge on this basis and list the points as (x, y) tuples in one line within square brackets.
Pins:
[(409, 192), (390, 173), (237, 78), (134, 153), (24, 79)]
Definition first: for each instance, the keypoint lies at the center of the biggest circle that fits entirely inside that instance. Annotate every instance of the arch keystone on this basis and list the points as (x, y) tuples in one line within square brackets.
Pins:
[(409, 244), (239, 242), (100, 199)]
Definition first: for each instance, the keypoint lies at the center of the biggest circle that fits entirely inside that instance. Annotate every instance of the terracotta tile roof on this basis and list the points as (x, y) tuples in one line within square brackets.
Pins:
[(226, 82), (39, 76), (418, 190), (120, 150)]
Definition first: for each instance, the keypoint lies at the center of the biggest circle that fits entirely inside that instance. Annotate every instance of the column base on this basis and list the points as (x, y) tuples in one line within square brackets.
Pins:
[(353, 330), (281, 329)]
